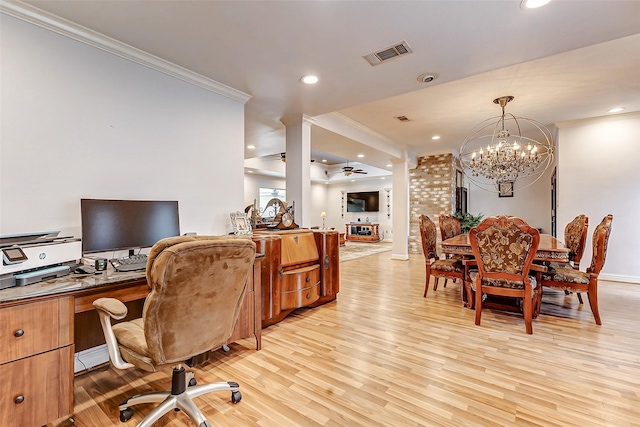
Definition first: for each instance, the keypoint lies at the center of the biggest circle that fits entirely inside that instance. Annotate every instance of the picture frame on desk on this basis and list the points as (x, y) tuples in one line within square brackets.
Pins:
[(240, 223)]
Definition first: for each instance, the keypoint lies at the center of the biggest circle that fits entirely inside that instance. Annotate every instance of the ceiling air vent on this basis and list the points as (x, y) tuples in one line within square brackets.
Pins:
[(403, 118), (388, 53)]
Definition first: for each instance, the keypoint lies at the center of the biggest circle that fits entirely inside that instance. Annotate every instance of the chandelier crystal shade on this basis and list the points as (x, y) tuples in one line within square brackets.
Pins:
[(496, 151)]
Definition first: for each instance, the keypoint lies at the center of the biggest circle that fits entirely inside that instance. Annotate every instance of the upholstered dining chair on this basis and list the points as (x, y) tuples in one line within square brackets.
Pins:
[(575, 237), (197, 287), (449, 227), (572, 280), (448, 268), (504, 248)]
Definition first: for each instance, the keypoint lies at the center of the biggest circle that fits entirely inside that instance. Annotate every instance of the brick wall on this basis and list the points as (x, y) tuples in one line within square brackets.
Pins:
[(431, 193)]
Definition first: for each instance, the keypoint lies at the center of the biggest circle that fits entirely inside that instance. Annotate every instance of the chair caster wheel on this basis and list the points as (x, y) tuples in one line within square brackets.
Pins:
[(126, 414), (236, 396), (225, 348), (192, 382)]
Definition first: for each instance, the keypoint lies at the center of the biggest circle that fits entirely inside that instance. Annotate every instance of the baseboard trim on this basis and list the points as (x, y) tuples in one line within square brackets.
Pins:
[(400, 257), (87, 359), (620, 278)]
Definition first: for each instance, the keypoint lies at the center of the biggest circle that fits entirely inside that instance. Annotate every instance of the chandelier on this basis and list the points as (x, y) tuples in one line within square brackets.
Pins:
[(492, 155)]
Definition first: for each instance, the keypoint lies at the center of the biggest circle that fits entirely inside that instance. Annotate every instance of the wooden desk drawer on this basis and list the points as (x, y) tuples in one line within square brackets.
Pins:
[(37, 390), (35, 328), (300, 287)]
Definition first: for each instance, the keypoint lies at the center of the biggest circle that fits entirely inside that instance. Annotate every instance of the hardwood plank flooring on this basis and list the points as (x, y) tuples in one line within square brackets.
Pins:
[(382, 355)]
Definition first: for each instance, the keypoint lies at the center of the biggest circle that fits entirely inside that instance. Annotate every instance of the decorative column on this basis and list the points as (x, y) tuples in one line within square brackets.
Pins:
[(298, 169)]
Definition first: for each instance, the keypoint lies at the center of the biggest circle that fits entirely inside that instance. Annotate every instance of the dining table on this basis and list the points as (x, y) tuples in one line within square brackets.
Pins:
[(550, 249)]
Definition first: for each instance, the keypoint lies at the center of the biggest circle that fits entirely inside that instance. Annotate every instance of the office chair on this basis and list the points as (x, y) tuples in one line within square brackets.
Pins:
[(197, 287)]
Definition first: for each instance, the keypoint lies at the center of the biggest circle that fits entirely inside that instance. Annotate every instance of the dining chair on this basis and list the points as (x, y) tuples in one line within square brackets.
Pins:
[(449, 227), (575, 236), (572, 280), (504, 248), (448, 268)]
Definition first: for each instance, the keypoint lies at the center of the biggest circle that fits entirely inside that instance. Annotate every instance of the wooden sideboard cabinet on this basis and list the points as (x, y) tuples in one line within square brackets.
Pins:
[(300, 269), (36, 362), (362, 232)]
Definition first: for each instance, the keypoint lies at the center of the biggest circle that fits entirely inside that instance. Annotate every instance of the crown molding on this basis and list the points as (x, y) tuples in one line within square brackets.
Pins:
[(39, 17)]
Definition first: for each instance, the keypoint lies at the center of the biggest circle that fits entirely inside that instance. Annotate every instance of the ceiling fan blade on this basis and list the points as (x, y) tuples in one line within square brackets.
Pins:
[(360, 171)]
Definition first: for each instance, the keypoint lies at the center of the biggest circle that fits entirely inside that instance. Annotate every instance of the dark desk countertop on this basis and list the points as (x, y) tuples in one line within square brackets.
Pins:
[(69, 283)]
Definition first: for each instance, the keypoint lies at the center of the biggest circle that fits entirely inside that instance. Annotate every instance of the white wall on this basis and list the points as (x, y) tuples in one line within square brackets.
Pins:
[(334, 205), (79, 122), (598, 174), (533, 203), (327, 198)]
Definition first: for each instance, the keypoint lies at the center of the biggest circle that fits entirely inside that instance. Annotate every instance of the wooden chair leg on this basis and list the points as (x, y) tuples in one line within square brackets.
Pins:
[(435, 283), (580, 297), (528, 312), (426, 285), (478, 303), (593, 302), (445, 283)]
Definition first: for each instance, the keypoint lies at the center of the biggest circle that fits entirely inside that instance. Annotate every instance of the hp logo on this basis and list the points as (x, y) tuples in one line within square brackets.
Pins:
[(42, 255)]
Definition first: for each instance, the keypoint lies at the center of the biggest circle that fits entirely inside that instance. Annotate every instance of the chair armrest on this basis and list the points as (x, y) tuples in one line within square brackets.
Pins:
[(540, 268), (108, 308), (113, 307)]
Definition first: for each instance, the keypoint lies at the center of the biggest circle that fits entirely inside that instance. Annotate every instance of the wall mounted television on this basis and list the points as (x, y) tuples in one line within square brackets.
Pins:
[(367, 201), (112, 225)]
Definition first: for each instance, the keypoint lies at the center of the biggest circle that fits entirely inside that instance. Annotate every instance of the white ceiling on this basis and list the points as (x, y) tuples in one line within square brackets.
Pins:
[(568, 60)]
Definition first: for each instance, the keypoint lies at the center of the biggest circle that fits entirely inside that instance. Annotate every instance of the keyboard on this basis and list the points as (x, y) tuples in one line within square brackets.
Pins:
[(130, 263)]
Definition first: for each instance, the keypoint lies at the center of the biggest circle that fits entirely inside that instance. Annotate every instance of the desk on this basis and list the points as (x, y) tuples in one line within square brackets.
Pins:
[(42, 325), (550, 249)]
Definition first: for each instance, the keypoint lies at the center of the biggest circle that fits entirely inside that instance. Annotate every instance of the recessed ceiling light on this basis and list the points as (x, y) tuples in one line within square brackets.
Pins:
[(383, 178), (251, 147), (616, 110), (326, 182), (250, 171), (361, 155), (435, 137), (426, 78), (309, 79), (353, 180), (324, 160), (533, 4)]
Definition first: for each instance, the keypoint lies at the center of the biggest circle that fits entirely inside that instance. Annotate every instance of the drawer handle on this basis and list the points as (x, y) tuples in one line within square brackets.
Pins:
[(308, 296), (19, 399), (18, 333), (308, 279)]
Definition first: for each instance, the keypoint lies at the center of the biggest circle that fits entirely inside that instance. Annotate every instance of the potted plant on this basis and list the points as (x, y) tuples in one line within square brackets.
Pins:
[(468, 221)]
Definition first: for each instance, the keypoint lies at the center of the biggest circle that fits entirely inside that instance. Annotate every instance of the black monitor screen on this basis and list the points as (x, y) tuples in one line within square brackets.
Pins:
[(367, 201), (110, 225)]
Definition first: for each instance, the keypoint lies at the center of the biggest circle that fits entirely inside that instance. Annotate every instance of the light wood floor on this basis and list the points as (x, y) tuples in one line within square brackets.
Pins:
[(382, 355)]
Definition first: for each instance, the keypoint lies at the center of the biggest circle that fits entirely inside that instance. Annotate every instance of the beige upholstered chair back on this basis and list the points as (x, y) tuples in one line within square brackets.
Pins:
[(600, 243), (575, 236), (428, 237), (449, 226), (504, 247), (197, 286)]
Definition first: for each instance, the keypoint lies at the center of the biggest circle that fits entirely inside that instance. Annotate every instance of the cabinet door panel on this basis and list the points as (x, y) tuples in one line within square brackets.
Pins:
[(37, 390)]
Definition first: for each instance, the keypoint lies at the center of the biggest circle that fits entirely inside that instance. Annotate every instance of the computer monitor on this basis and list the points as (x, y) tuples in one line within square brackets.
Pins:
[(112, 225)]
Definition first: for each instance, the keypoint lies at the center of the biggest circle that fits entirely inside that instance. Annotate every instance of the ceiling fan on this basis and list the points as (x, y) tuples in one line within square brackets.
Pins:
[(283, 157), (348, 170)]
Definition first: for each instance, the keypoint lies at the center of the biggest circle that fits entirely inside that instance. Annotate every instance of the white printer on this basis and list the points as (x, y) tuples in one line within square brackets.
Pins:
[(33, 257)]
